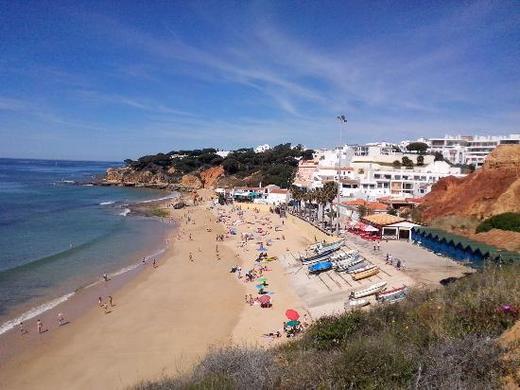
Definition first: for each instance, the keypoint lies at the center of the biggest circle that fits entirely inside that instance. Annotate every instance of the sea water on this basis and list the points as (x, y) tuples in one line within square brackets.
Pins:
[(58, 236)]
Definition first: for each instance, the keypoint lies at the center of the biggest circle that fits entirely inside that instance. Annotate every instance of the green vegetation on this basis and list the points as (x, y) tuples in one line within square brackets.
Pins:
[(419, 147), (407, 162), (442, 339), (158, 212), (274, 166), (505, 221)]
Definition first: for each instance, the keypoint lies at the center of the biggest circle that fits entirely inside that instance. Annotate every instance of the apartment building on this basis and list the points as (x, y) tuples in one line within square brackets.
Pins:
[(468, 149)]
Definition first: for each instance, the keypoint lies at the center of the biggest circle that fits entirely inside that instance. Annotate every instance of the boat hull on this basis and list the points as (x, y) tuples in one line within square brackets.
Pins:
[(365, 274)]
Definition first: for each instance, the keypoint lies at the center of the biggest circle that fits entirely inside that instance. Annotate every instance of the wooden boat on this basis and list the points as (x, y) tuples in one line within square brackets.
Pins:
[(394, 295), (344, 265), (321, 247), (322, 266), (357, 266), (361, 269), (356, 303), (317, 258), (370, 290), (365, 274)]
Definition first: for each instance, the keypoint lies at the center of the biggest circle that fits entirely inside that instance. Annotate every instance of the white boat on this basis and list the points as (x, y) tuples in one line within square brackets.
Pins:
[(356, 303), (363, 269), (344, 265), (394, 295), (370, 290)]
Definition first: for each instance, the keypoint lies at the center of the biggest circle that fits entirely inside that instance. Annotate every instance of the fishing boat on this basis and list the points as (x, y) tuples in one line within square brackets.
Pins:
[(344, 265), (361, 269), (322, 247), (356, 303), (317, 258), (394, 295), (365, 274), (370, 290), (357, 266), (322, 266)]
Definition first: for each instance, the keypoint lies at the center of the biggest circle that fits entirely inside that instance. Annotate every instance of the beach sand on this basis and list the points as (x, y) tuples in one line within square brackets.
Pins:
[(167, 318)]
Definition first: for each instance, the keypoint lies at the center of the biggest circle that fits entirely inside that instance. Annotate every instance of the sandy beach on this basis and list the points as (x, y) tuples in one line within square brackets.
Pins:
[(167, 317)]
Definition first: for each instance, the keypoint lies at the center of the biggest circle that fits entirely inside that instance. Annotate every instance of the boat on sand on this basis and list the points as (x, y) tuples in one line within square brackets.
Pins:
[(365, 274), (370, 290)]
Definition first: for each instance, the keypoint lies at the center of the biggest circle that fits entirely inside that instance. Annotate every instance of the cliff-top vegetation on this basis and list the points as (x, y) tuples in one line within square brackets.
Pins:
[(274, 166), (441, 339)]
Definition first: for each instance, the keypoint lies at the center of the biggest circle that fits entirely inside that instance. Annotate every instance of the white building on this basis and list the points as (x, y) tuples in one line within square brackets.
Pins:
[(373, 175), (262, 148), (468, 149)]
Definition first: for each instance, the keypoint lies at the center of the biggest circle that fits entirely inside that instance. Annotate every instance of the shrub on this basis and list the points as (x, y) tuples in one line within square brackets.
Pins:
[(505, 221), (472, 362)]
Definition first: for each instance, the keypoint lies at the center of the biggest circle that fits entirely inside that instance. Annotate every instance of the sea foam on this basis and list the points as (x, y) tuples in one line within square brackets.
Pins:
[(6, 326)]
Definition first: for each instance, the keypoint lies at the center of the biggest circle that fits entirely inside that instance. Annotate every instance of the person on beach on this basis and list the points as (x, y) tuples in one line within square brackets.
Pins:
[(191, 239), (105, 277), (110, 301), (105, 307), (154, 264), (22, 329), (100, 301), (60, 319), (39, 326), (191, 257)]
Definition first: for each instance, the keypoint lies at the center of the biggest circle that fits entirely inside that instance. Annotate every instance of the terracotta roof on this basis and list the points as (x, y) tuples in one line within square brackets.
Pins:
[(382, 219), (355, 202), (377, 206), (415, 200), (278, 191)]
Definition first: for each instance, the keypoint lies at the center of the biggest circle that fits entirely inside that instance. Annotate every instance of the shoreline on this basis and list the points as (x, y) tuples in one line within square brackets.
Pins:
[(73, 304), (166, 319)]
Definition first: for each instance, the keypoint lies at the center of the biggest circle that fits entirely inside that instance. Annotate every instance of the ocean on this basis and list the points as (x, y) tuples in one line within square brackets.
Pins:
[(57, 236)]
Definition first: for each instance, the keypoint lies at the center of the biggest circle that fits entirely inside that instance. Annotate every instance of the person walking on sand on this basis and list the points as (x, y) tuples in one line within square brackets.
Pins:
[(23, 331), (39, 326), (110, 302), (60, 319), (105, 307), (191, 257), (154, 263), (100, 301)]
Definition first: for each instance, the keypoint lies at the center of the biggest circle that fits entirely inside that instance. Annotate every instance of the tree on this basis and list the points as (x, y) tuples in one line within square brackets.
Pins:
[(407, 162), (396, 164), (362, 210), (418, 147), (230, 165), (308, 154), (438, 156), (420, 160)]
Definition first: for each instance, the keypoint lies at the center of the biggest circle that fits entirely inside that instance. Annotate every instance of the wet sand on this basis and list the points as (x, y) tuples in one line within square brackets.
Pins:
[(168, 317)]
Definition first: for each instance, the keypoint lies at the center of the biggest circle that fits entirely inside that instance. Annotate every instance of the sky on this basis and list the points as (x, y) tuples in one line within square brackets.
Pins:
[(102, 80)]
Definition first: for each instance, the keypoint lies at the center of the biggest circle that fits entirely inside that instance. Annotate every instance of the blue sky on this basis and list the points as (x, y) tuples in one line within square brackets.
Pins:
[(111, 80)]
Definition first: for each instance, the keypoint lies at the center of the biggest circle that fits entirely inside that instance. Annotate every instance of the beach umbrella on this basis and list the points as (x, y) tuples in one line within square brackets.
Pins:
[(293, 323), (292, 314), (259, 286), (264, 299), (262, 279)]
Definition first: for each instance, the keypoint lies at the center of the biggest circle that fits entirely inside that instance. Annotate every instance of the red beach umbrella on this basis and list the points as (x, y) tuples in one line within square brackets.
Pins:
[(292, 314), (264, 299)]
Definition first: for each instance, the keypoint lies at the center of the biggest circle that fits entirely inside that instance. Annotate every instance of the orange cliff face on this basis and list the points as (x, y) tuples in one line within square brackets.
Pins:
[(490, 190), (210, 176)]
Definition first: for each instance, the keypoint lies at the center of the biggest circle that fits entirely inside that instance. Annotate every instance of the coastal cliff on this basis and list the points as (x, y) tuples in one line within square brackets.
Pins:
[(489, 191), (460, 205), (205, 168), (162, 179)]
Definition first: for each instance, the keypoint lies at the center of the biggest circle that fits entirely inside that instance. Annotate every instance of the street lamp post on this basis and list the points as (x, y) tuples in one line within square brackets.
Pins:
[(343, 122)]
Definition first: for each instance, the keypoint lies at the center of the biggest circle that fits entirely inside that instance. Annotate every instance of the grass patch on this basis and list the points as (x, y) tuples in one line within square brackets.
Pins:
[(505, 221), (440, 339)]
